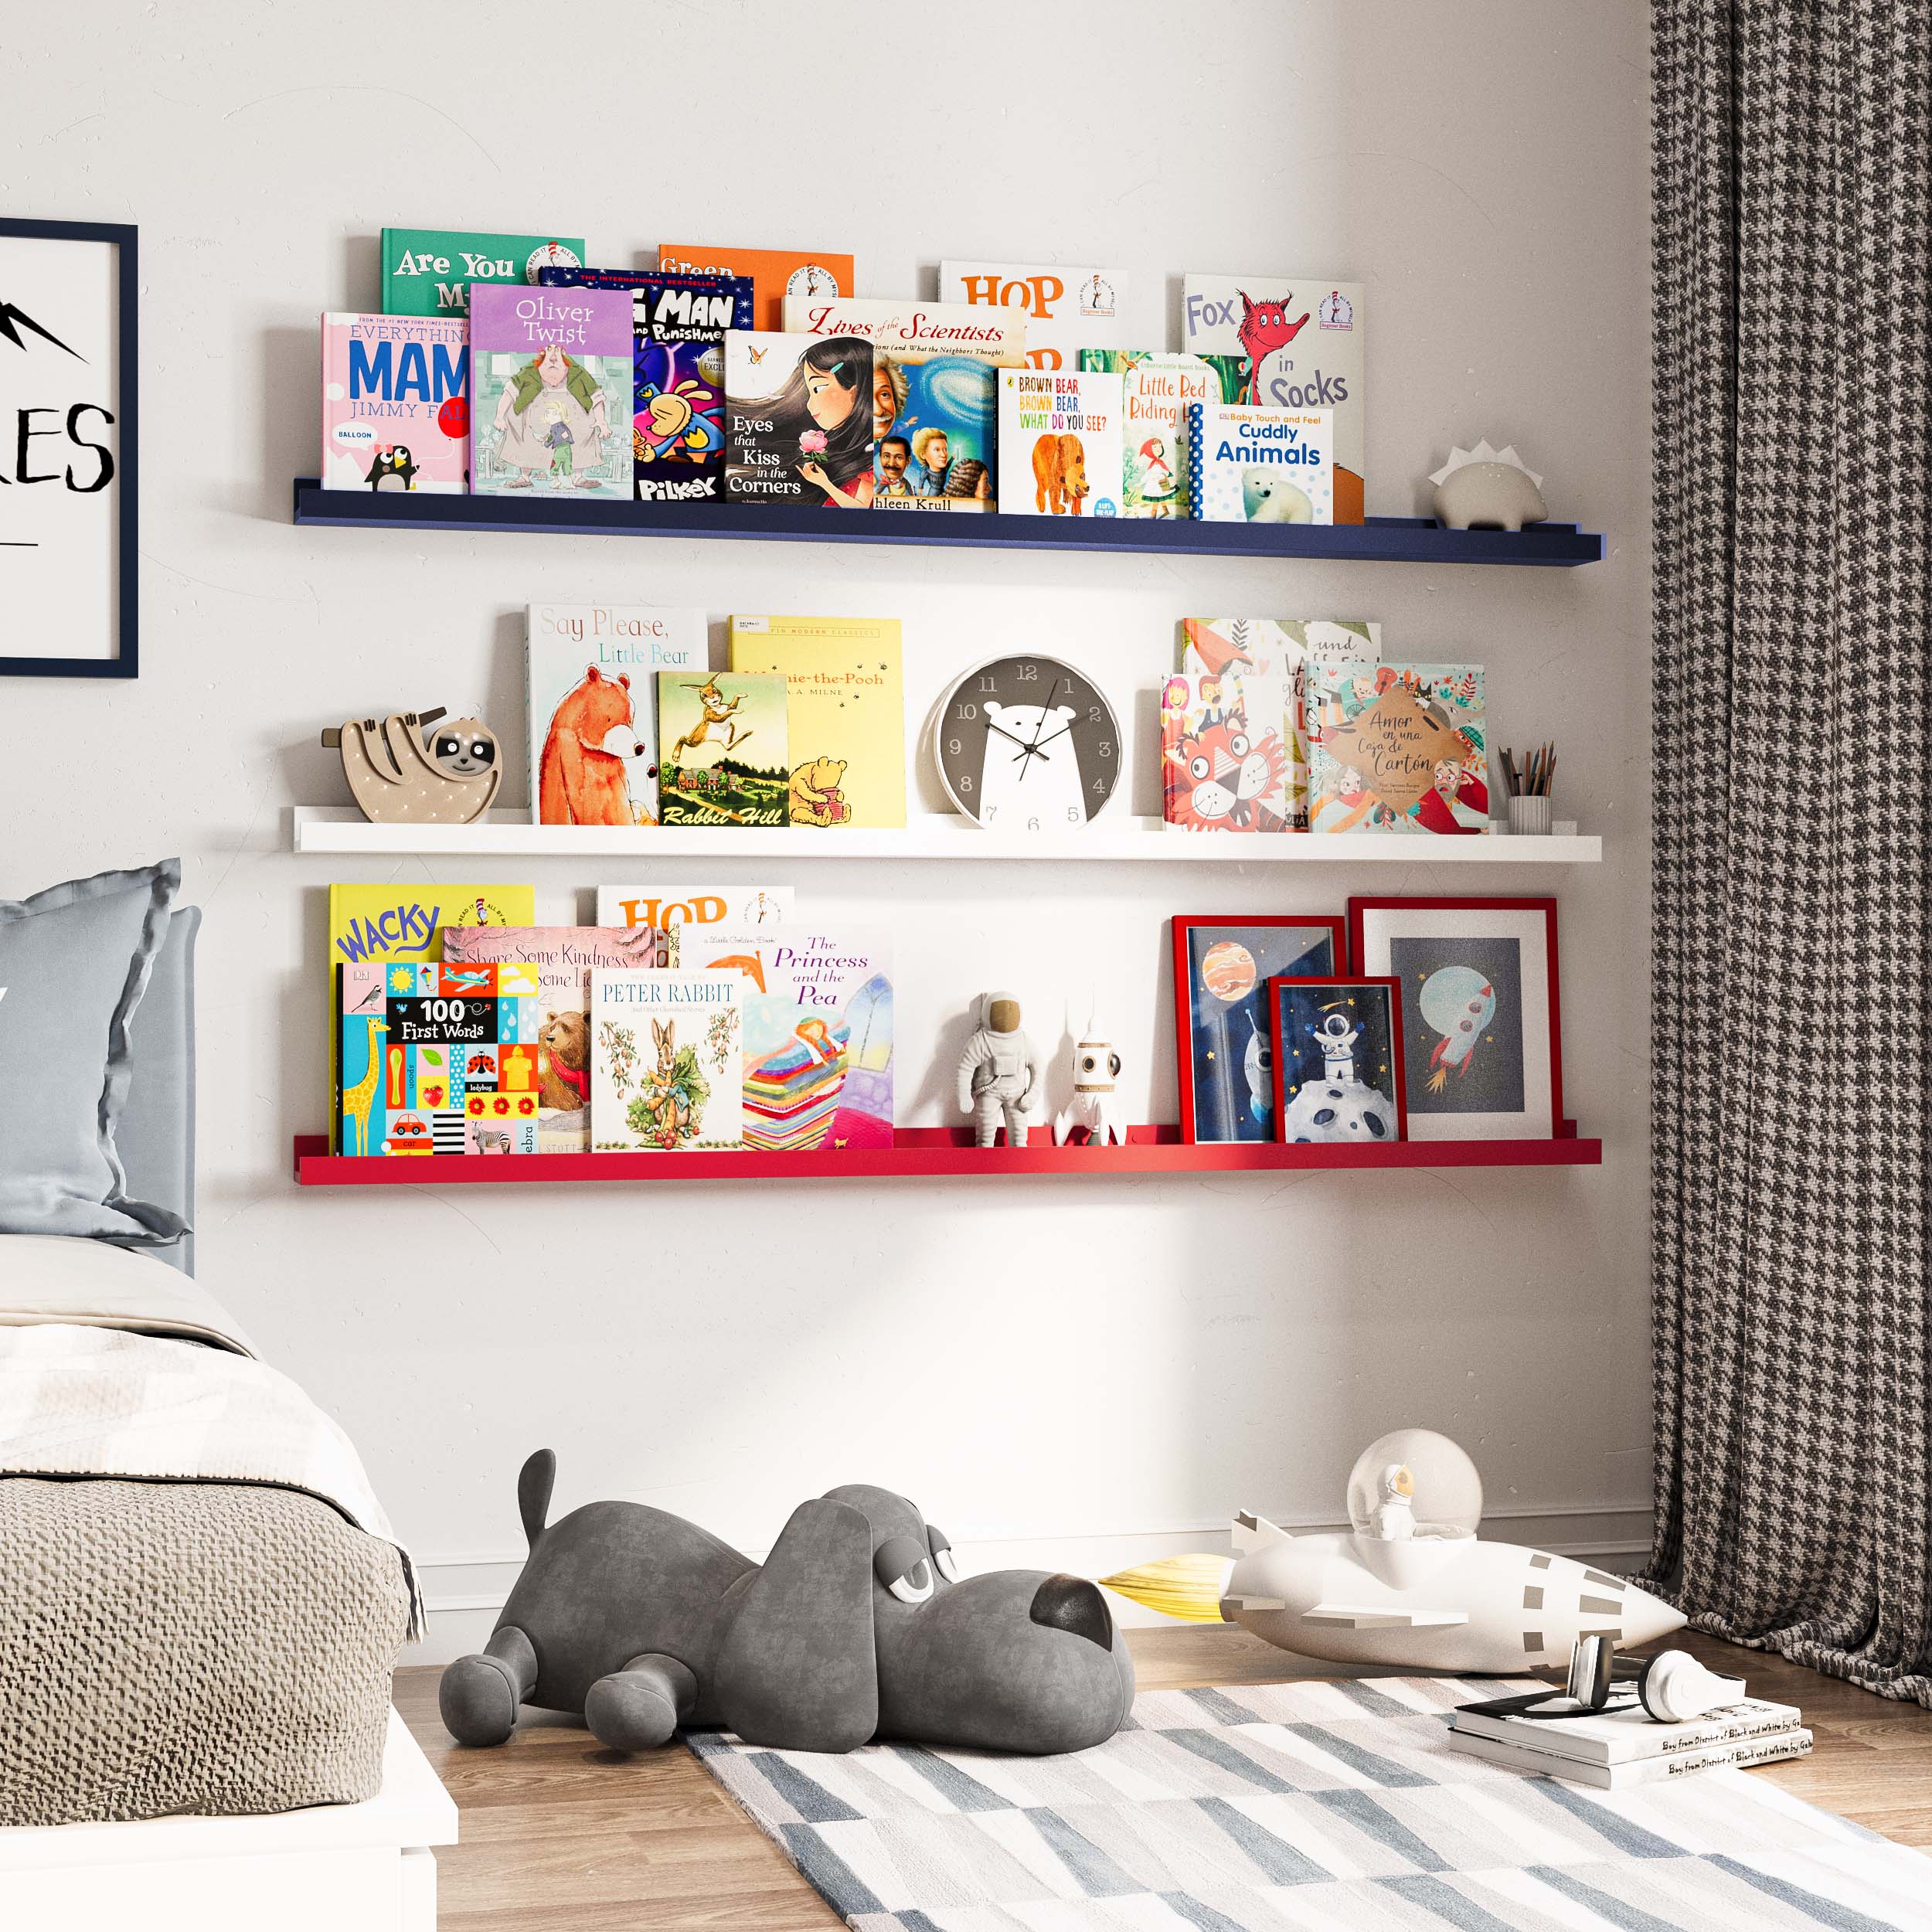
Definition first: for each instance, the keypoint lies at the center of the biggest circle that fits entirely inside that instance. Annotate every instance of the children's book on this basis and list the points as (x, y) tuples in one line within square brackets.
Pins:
[(1283, 648), (438, 1059), (550, 374), (1066, 310), (1303, 338), (593, 694), (1059, 443), (428, 271), (665, 1060), (817, 1031), (845, 715), (681, 908), (798, 419), (1397, 747), (1224, 762), (1154, 389), (404, 922), (775, 273), (677, 325), (722, 756), (934, 404), (563, 958), (1260, 466), (396, 403)]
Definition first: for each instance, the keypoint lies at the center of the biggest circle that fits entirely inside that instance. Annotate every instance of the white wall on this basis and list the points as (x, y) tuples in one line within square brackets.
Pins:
[(1069, 1371)]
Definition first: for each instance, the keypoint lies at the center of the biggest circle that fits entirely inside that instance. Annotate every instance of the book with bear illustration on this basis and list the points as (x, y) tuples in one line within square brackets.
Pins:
[(775, 273), (1224, 755), (1397, 748), (592, 684), (428, 271), (798, 419), (1066, 310), (677, 326), (395, 411), (563, 958), (665, 1060), (1261, 466), (1060, 452), (722, 749), (1155, 388), (845, 713)]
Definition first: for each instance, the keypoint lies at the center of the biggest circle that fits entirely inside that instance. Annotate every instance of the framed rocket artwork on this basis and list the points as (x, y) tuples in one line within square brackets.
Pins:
[(1482, 1032)]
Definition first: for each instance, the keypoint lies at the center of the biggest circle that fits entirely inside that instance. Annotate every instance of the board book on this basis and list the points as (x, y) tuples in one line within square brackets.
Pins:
[(1260, 466), (1154, 391), (798, 419), (591, 681), (722, 749), (845, 711), (775, 273), (428, 271), (396, 403), (665, 1060), (678, 328), (1397, 748), (1224, 762), (1059, 443), (683, 907), (563, 958), (1304, 338), (550, 399), (1066, 310)]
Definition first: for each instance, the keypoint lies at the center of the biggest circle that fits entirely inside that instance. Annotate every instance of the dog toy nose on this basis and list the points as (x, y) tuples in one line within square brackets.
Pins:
[(1072, 1604)]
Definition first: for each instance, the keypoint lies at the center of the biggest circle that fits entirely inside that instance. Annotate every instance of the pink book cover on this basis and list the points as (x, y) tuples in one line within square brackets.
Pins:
[(396, 407)]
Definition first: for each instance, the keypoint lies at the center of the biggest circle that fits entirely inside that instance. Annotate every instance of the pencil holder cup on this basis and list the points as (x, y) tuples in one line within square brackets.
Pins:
[(1529, 818)]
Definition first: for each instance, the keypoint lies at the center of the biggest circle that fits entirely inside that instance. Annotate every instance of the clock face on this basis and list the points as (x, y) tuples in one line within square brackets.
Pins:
[(1027, 743)]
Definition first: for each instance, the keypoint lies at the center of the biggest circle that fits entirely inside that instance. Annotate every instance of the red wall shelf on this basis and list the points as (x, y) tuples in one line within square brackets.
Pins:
[(927, 1151)]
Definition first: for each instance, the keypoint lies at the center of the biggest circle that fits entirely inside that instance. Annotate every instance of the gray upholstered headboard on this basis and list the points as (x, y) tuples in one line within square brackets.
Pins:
[(155, 1135)]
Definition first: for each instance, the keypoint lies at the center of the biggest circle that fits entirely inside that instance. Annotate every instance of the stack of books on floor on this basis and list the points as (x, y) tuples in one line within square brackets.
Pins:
[(1614, 1749)]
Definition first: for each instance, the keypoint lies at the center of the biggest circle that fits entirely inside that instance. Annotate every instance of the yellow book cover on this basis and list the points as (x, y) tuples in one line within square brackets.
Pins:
[(404, 920), (845, 712)]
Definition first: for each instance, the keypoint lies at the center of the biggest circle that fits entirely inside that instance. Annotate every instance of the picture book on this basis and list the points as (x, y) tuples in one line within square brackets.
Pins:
[(665, 1060), (1397, 747), (1260, 466), (1224, 764), (550, 400), (846, 714), (798, 418), (592, 684), (682, 908), (722, 749), (817, 1031), (1303, 338), (1771, 1749), (1622, 1735), (396, 403), (677, 325), (775, 273), (438, 1059), (428, 271), (1066, 310), (1059, 443), (403, 921), (563, 958), (1282, 647), (1154, 389), (934, 405)]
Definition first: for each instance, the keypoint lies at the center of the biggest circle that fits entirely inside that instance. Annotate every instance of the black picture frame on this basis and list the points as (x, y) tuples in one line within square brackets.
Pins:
[(126, 662)]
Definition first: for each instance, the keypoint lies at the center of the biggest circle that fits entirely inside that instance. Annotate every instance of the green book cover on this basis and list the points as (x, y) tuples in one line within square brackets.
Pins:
[(427, 271)]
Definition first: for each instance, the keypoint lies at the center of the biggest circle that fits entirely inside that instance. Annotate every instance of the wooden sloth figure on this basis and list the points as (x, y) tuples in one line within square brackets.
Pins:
[(400, 777)]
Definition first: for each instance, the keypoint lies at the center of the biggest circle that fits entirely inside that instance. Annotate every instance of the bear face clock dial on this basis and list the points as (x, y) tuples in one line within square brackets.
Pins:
[(1025, 743)]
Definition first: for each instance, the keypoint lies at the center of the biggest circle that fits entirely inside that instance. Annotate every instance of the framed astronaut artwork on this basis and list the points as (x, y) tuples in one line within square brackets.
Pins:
[(1338, 1060), (1026, 743)]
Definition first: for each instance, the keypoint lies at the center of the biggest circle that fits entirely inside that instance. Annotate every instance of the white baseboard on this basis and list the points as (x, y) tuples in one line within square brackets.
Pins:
[(465, 1594)]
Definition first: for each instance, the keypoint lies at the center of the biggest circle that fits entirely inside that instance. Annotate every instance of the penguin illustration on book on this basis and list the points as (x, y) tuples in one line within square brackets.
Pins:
[(391, 463)]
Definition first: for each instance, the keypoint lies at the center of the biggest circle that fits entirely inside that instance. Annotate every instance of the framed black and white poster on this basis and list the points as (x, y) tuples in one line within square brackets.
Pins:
[(68, 365)]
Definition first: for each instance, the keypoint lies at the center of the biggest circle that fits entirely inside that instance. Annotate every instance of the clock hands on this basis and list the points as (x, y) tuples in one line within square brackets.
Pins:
[(1033, 751), (1008, 736)]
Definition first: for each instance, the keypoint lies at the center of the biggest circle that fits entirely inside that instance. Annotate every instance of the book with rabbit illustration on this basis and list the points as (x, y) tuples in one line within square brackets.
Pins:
[(1059, 442), (1224, 759), (395, 409), (1155, 390), (1261, 466), (1397, 748), (666, 1060), (722, 748)]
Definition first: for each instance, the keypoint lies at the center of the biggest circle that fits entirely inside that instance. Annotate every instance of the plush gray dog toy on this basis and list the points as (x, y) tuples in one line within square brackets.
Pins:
[(858, 1626)]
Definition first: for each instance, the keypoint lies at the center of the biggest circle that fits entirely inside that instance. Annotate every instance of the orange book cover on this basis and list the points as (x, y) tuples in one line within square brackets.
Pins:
[(775, 273)]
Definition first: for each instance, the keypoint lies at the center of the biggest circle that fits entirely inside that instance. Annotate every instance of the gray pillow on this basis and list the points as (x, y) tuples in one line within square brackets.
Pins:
[(74, 962)]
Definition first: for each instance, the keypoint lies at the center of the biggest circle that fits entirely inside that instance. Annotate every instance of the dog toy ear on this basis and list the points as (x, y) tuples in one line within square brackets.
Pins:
[(796, 1670), (533, 1486)]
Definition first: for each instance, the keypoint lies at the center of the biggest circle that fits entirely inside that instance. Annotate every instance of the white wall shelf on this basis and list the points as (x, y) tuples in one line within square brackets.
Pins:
[(342, 832)]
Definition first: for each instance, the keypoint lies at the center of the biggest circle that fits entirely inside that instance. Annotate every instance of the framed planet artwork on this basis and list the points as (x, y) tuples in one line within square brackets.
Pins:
[(1224, 1046), (1481, 1035)]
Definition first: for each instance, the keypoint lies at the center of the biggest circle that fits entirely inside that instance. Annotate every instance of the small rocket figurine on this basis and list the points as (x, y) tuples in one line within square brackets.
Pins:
[(1096, 1106)]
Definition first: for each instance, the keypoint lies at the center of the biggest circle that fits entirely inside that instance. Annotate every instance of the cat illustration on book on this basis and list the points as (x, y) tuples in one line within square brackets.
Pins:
[(1265, 327), (1217, 777)]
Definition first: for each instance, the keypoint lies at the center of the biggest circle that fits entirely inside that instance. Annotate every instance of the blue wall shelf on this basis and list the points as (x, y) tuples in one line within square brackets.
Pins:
[(1383, 539)]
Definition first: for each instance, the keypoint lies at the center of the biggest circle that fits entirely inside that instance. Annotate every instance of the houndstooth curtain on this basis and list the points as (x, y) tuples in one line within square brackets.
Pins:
[(1793, 1066)]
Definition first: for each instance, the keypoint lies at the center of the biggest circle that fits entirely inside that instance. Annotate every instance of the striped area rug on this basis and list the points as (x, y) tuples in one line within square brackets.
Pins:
[(1323, 1806)]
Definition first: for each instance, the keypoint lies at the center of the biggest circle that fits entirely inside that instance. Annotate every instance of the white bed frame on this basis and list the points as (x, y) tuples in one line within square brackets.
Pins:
[(332, 1868)]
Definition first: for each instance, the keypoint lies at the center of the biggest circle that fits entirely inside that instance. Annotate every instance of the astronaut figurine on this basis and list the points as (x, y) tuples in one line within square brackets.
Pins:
[(1393, 1518), (999, 1072)]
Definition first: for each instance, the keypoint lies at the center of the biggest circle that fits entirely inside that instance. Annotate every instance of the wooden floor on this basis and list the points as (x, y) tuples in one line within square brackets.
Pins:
[(561, 1835)]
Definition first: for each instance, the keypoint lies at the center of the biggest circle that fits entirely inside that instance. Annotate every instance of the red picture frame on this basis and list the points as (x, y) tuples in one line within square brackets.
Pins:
[(1392, 986), (1183, 925)]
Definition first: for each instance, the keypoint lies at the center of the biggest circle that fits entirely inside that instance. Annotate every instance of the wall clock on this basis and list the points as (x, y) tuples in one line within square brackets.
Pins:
[(1025, 742)]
